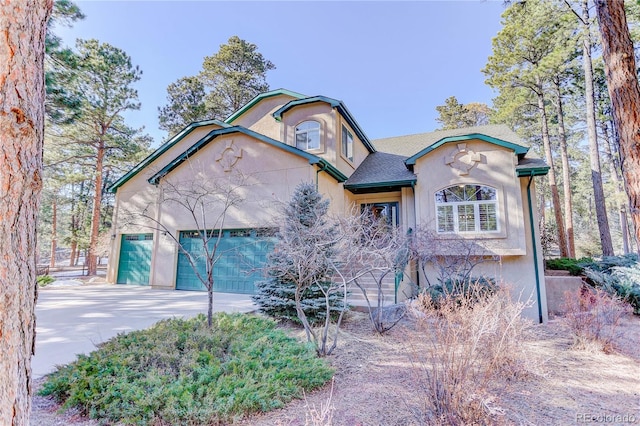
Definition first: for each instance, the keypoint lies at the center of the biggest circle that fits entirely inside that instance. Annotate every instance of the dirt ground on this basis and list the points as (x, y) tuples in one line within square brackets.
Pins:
[(376, 383)]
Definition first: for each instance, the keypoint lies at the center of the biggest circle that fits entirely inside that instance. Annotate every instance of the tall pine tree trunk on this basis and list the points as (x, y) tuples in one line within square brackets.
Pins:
[(622, 82), (614, 171), (92, 258), (553, 186), (73, 249), (594, 154), (23, 24), (54, 232), (566, 174)]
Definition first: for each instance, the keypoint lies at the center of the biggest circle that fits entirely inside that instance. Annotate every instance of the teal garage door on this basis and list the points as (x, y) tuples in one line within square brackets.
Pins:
[(135, 259), (242, 252)]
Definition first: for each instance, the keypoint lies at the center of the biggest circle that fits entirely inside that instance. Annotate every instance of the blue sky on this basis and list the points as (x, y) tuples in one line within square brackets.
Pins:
[(391, 62)]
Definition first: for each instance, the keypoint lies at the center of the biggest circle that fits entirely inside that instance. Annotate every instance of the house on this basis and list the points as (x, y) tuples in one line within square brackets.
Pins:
[(475, 184)]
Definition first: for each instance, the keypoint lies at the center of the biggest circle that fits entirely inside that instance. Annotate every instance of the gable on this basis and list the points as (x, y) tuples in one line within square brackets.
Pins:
[(168, 150), (410, 145), (238, 118), (461, 140), (211, 136), (334, 103)]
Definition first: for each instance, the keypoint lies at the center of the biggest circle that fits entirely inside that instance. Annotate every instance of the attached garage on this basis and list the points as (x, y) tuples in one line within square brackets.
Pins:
[(242, 252), (135, 259)]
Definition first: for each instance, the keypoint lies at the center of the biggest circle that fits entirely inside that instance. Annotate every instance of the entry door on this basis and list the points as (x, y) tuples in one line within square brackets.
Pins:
[(135, 259)]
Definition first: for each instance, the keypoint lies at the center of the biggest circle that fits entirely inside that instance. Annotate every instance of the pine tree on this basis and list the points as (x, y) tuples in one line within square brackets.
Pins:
[(304, 244)]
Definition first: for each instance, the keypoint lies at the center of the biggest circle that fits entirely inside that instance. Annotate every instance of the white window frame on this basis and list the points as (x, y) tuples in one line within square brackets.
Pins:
[(306, 132), (457, 214), (347, 143)]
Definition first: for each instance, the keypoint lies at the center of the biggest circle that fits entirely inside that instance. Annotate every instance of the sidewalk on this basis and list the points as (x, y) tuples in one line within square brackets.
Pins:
[(73, 319)]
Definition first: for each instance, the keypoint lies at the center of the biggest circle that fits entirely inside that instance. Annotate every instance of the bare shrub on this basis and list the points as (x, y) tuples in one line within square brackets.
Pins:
[(469, 341), (593, 315), (373, 251), (320, 416)]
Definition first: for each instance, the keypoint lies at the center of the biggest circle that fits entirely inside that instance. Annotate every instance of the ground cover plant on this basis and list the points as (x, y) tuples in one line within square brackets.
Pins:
[(180, 372), (44, 280), (617, 275), (574, 266)]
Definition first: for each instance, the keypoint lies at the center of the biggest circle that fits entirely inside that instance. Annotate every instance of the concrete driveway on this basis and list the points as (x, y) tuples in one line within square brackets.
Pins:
[(73, 319)]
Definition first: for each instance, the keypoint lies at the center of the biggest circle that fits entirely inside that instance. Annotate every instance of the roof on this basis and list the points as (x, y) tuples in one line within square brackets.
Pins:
[(337, 104), (380, 171), (200, 144), (260, 97), (412, 145), (161, 150), (531, 166)]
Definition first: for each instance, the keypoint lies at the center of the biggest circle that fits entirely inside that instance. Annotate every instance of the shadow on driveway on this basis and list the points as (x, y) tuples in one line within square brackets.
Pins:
[(72, 320)]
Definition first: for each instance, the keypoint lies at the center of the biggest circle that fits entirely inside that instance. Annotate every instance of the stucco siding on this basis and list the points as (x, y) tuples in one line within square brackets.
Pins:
[(269, 176), (360, 152), (495, 167), (323, 114), (259, 118)]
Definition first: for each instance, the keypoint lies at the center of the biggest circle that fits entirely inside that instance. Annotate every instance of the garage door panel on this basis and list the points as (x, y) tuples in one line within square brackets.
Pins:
[(135, 259), (242, 255)]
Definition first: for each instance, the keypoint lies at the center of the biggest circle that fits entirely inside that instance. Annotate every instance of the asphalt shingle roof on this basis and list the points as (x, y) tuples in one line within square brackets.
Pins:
[(379, 168), (412, 144)]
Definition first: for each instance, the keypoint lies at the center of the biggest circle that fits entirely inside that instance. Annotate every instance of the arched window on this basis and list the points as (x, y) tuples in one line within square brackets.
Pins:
[(308, 135), (467, 208)]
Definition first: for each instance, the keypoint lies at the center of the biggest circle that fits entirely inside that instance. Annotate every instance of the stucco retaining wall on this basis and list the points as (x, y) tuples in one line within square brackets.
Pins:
[(557, 286)]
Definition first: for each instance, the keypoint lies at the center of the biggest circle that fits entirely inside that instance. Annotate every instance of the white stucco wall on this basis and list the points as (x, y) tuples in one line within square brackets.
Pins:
[(511, 247), (270, 175)]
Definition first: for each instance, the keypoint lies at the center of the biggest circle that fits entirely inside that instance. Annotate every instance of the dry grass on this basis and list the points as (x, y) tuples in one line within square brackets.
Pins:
[(376, 383), (322, 415), (594, 317), (471, 339)]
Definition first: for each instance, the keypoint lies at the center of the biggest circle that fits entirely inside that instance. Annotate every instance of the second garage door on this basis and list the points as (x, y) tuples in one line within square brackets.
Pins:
[(243, 253)]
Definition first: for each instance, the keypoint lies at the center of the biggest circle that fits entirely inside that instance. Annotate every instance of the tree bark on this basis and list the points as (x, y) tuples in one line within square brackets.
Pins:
[(617, 180), (555, 196), (23, 24), (54, 232), (622, 82), (92, 258), (594, 154), (72, 255), (566, 174)]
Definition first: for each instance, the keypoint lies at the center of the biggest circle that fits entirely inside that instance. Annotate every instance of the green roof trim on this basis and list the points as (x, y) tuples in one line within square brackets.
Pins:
[(331, 170), (161, 150), (260, 97), (532, 171), (395, 183), (334, 103), (518, 149), (200, 144)]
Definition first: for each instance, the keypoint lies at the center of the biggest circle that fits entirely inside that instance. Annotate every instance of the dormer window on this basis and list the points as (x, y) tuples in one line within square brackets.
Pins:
[(308, 135), (467, 208), (347, 144)]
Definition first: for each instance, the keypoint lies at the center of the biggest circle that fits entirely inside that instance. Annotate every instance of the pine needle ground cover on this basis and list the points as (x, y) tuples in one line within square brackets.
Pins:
[(179, 372)]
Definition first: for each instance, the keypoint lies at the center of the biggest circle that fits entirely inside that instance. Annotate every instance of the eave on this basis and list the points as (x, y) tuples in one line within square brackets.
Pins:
[(260, 97), (334, 103), (368, 188), (532, 171), (163, 148), (518, 149), (200, 144)]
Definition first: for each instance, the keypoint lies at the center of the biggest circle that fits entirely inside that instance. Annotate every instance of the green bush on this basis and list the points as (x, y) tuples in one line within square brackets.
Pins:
[(574, 266), (43, 280), (618, 275), (471, 289), (180, 372)]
